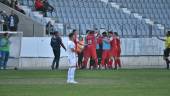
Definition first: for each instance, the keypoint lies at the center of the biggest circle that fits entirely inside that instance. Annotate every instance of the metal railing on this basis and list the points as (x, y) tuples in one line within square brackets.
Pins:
[(124, 30)]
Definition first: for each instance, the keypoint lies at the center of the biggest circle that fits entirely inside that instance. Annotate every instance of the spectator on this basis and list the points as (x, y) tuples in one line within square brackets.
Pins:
[(12, 4), (56, 43), (4, 50), (48, 7), (39, 6), (5, 19), (49, 28), (13, 21), (6, 2), (18, 8)]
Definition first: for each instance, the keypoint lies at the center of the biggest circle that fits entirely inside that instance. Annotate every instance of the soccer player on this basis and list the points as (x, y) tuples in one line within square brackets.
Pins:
[(91, 49), (115, 50), (75, 39), (118, 61), (85, 51), (99, 48), (106, 50), (80, 47), (167, 48), (71, 59)]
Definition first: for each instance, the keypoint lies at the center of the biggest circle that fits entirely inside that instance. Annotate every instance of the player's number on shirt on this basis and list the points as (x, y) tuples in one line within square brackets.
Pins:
[(89, 41)]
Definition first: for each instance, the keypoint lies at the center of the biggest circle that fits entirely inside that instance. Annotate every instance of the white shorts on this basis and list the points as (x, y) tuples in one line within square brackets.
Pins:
[(72, 62)]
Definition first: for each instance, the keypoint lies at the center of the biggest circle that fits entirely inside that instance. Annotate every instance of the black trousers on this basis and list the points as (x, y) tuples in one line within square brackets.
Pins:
[(80, 59), (5, 27), (56, 59), (166, 55), (13, 28), (99, 55)]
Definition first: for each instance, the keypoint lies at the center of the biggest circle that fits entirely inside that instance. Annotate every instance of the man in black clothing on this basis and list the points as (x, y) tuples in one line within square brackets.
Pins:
[(6, 2), (48, 7), (49, 28), (13, 21), (5, 19), (56, 43)]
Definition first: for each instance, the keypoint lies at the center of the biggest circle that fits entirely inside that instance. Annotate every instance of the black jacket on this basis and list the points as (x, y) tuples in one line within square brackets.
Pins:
[(16, 20)]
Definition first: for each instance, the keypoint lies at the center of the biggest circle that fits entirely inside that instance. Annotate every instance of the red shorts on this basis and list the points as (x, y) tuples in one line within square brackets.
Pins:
[(85, 52), (115, 52), (105, 56), (92, 52)]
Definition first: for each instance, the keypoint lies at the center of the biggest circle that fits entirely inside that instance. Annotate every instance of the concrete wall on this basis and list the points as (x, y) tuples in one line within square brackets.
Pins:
[(40, 47), (134, 62), (29, 27), (36, 53)]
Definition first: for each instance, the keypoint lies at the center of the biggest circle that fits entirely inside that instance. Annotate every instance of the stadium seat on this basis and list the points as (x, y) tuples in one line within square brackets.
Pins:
[(90, 12)]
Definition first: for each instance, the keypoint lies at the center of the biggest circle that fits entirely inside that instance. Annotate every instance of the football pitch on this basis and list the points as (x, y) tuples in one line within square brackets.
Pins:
[(124, 82)]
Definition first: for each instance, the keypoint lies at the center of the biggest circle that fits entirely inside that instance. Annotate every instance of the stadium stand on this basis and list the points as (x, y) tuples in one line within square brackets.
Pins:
[(157, 10), (28, 7), (29, 27), (128, 21), (90, 14)]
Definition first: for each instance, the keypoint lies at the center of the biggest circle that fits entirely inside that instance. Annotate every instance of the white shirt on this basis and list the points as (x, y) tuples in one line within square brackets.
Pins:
[(71, 54), (12, 21)]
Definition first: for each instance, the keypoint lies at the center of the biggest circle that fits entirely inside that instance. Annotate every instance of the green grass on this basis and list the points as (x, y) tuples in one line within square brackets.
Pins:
[(141, 82)]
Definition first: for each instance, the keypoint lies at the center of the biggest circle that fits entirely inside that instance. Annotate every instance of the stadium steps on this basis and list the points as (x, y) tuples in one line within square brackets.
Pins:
[(154, 12), (89, 14), (28, 6), (28, 26), (37, 16)]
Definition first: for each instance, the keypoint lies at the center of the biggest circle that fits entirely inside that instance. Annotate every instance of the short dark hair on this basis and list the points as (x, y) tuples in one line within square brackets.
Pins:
[(87, 31), (110, 32), (104, 33), (54, 32), (74, 30), (92, 32), (116, 33), (71, 35), (168, 33)]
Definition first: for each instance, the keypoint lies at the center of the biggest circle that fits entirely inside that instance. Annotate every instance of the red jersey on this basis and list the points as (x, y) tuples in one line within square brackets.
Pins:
[(38, 4), (91, 40), (115, 43), (115, 47), (118, 43), (99, 40)]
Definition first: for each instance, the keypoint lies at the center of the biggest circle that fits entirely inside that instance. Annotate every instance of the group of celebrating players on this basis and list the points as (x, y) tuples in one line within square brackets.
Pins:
[(103, 50)]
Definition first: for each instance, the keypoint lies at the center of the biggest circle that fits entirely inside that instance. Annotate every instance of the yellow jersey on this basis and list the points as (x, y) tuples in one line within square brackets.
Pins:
[(167, 42)]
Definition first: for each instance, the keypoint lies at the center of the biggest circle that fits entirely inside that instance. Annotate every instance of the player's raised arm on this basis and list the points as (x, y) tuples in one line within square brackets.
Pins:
[(161, 39)]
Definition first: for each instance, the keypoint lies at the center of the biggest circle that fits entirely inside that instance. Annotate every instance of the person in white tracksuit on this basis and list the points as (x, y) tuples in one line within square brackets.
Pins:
[(71, 59)]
